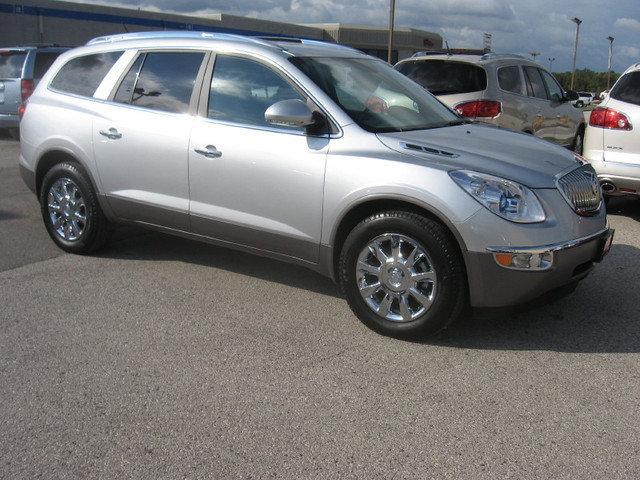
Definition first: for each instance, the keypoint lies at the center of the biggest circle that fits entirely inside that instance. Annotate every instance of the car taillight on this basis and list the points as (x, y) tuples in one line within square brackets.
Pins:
[(479, 109), (26, 89), (609, 118), (21, 109)]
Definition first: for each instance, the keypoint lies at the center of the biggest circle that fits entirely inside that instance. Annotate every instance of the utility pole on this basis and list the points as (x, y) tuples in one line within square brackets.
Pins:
[(551, 60), (577, 21), (392, 13), (534, 55), (610, 58)]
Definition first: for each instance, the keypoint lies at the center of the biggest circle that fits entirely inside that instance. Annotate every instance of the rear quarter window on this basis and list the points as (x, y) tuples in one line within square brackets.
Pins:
[(510, 80), (627, 89), (443, 77), (82, 75), (11, 63)]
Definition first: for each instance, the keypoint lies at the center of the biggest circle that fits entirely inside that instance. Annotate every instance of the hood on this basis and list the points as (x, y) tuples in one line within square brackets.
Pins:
[(512, 155)]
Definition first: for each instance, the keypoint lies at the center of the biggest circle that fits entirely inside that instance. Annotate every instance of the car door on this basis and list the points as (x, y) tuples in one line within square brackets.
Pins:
[(141, 138), (252, 183), (566, 126), (544, 118)]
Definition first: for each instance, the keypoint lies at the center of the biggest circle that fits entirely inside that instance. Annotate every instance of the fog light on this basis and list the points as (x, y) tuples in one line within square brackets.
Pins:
[(524, 260)]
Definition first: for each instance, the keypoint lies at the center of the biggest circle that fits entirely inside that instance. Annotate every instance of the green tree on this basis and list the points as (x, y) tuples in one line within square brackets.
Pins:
[(586, 80)]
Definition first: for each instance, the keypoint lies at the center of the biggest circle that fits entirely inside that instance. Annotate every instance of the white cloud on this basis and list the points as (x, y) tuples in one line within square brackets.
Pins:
[(628, 23)]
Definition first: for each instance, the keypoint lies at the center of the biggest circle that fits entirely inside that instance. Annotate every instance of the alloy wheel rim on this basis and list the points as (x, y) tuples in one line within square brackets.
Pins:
[(67, 209), (396, 277)]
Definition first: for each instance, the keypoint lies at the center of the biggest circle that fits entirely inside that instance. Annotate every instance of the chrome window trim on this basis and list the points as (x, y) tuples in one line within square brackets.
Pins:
[(300, 133), (554, 247)]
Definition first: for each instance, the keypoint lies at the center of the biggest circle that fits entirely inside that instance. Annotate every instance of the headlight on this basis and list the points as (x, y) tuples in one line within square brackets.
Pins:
[(505, 198)]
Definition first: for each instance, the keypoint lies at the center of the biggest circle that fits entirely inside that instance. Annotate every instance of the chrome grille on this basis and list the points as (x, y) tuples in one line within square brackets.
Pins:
[(581, 189)]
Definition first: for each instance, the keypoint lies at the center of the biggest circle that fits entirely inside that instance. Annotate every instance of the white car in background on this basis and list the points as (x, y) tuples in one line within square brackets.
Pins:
[(584, 99), (612, 139)]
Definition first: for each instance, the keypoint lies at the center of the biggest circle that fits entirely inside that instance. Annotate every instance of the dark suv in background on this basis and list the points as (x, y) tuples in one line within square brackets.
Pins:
[(21, 68)]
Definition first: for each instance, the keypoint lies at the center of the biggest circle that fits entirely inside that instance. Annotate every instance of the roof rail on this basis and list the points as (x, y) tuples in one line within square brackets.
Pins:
[(430, 52), (121, 37), (495, 56), (280, 39)]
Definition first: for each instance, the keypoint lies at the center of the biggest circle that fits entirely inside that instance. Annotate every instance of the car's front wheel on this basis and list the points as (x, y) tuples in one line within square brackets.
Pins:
[(402, 274), (71, 211)]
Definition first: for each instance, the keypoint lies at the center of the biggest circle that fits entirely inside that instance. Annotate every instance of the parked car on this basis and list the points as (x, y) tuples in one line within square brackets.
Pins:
[(584, 99), (21, 68), (272, 147), (505, 90), (612, 141)]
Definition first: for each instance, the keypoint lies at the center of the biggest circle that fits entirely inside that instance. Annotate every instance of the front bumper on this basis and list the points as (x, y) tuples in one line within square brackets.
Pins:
[(492, 285), (8, 120)]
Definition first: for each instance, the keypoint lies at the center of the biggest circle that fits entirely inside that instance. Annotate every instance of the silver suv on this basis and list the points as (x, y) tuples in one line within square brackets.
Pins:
[(292, 149), (505, 90), (21, 68)]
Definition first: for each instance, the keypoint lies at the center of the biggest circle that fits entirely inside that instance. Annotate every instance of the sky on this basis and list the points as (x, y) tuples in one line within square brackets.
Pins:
[(517, 26)]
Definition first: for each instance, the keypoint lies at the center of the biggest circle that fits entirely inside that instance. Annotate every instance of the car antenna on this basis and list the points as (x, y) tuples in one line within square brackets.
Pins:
[(446, 44)]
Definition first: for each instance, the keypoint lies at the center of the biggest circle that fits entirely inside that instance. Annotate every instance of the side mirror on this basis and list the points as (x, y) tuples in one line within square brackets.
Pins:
[(289, 113), (571, 96)]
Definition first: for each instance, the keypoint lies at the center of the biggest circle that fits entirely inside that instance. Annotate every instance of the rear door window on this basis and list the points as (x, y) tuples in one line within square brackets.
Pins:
[(161, 81), (82, 75), (43, 61), (11, 63), (442, 77), (535, 84), (510, 80), (628, 88)]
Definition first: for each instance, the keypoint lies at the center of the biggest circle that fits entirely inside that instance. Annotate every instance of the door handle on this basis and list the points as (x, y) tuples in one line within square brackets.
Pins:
[(111, 134), (209, 151)]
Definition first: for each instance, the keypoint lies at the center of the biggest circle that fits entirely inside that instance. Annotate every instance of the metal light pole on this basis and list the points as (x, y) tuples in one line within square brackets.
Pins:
[(610, 58), (551, 60), (534, 55), (577, 21), (392, 12)]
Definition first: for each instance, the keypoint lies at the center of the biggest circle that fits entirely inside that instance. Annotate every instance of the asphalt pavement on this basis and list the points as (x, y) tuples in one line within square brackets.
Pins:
[(159, 357)]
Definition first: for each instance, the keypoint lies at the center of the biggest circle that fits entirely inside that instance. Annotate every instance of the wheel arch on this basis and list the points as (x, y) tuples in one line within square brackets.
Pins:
[(370, 205), (54, 156)]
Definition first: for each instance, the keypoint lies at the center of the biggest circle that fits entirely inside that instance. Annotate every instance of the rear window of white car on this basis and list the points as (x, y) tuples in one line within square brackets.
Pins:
[(11, 62), (443, 77), (628, 88), (82, 75)]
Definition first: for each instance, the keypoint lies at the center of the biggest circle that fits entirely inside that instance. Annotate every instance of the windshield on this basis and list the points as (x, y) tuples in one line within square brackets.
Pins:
[(374, 95), (11, 63), (442, 77)]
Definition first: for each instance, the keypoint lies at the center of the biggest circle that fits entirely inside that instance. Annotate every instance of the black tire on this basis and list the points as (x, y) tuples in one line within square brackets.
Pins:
[(578, 141), (94, 234), (14, 133), (451, 297)]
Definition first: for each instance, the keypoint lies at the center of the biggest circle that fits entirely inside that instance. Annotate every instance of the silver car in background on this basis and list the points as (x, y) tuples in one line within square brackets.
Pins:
[(505, 90), (21, 68), (310, 153)]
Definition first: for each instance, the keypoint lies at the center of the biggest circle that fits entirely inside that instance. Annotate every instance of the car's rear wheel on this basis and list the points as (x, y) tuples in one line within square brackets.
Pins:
[(578, 141), (402, 274), (71, 211)]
